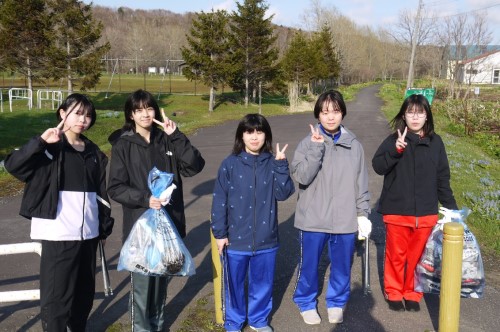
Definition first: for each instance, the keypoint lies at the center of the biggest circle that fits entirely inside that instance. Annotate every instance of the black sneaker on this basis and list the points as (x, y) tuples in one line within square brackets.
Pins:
[(396, 305), (413, 306)]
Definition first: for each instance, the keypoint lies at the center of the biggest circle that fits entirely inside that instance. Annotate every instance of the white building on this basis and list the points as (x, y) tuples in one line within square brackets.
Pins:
[(484, 69)]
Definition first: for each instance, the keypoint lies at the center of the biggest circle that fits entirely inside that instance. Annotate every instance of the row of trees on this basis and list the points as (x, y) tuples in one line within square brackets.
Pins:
[(239, 50), (51, 39), (62, 39)]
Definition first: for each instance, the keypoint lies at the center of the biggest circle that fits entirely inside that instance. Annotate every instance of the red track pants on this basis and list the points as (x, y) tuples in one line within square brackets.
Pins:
[(403, 248)]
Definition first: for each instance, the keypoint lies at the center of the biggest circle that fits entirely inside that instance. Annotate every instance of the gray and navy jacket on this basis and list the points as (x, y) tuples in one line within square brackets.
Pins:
[(65, 190), (244, 206), (333, 184)]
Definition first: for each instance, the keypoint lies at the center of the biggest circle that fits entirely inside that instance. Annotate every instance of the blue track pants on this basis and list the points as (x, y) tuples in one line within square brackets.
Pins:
[(260, 269), (340, 251)]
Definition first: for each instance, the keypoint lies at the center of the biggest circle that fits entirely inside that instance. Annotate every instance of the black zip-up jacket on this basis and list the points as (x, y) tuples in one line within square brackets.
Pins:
[(131, 160), (415, 180), (39, 166)]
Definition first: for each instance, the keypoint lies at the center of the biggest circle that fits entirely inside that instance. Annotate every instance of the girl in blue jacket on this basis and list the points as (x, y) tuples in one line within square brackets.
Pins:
[(244, 221)]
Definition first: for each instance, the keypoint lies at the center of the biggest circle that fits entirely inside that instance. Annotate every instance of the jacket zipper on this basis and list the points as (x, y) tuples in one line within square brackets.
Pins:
[(414, 185), (254, 204), (84, 196)]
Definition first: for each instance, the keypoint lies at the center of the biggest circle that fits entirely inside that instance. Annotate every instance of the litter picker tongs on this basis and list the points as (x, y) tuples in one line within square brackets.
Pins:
[(105, 275), (366, 261)]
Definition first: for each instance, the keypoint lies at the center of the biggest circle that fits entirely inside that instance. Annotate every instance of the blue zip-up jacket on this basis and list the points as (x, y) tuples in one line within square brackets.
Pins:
[(244, 206)]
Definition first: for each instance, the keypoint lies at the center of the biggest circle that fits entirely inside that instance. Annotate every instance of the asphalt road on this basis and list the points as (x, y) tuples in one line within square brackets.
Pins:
[(363, 312)]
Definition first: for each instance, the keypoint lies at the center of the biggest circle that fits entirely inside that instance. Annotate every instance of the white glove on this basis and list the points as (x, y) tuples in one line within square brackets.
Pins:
[(364, 227), (166, 194)]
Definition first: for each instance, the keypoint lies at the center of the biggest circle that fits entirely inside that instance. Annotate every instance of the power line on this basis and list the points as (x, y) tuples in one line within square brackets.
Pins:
[(439, 3), (469, 11)]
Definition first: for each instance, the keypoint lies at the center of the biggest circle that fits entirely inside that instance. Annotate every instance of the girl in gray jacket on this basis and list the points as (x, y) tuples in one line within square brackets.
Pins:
[(330, 168)]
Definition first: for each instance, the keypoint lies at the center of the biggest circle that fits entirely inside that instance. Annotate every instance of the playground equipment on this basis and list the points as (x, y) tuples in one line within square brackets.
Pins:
[(21, 93), (54, 96), (20, 248)]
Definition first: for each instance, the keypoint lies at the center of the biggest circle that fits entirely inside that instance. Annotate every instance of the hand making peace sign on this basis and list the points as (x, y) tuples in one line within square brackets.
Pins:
[(168, 125), (53, 135), (316, 136), (280, 154), (400, 142)]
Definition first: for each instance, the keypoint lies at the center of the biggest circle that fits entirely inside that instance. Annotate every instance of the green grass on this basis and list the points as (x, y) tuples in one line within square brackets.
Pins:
[(201, 317)]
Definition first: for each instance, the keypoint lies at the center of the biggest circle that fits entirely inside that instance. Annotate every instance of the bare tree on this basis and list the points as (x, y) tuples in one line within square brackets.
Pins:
[(411, 31), (462, 37)]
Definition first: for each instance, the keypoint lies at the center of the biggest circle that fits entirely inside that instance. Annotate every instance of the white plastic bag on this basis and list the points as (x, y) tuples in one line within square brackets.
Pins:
[(154, 247), (428, 270)]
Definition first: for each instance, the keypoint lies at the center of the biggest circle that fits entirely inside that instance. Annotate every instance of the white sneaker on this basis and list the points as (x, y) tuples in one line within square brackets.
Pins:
[(311, 317), (262, 329), (335, 315)]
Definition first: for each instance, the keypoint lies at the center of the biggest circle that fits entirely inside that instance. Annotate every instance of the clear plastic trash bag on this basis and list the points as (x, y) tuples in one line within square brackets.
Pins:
[(154, 247), (428, 270)]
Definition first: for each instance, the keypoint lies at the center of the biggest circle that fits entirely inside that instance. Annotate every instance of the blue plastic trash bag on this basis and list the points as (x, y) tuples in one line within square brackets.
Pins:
[(428, 270), (154, 247)]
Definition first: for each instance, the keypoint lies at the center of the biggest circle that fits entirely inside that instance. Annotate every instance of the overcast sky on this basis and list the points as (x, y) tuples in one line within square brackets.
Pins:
[(375, 13)]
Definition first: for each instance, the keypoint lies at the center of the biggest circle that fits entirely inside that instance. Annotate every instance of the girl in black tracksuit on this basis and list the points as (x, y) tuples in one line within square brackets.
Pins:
[(137, 148), (65, 198)]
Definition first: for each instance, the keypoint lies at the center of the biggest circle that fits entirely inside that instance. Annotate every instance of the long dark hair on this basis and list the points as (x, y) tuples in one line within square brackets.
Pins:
[(332, 96), (250, 123), (419, 102), (78, 102), (137, 100)]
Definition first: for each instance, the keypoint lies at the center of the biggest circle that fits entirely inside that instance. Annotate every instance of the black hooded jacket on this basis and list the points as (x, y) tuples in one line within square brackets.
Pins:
[(131, 160), (416, 180)]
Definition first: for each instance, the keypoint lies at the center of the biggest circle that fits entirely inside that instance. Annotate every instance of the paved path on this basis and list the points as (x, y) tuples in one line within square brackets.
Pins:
[(363, 313)]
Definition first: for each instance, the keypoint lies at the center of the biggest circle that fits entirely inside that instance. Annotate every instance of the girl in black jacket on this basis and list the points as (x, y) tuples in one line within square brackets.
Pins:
[(138, 147), (416, 174), (65, 198)]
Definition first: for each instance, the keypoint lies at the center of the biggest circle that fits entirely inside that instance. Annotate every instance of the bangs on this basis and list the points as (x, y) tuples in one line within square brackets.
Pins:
[(329, 101), (139, 104), (252, 124), (415, 106)]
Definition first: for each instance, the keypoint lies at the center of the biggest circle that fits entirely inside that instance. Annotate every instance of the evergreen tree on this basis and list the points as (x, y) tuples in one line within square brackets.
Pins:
[(25, 37), (206, 53), (327, 64), (298, 65), (252, 53), (76, 51)]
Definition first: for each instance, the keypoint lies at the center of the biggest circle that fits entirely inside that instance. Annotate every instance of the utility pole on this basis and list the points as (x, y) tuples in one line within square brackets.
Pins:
[(414, 39)]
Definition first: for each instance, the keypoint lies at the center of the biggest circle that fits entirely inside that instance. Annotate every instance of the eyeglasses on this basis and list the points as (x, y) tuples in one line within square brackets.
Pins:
[(420, 113)]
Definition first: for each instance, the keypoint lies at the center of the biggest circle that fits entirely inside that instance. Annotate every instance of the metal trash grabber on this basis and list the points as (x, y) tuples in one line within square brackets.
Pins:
[(105, 274), (366, 261)]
